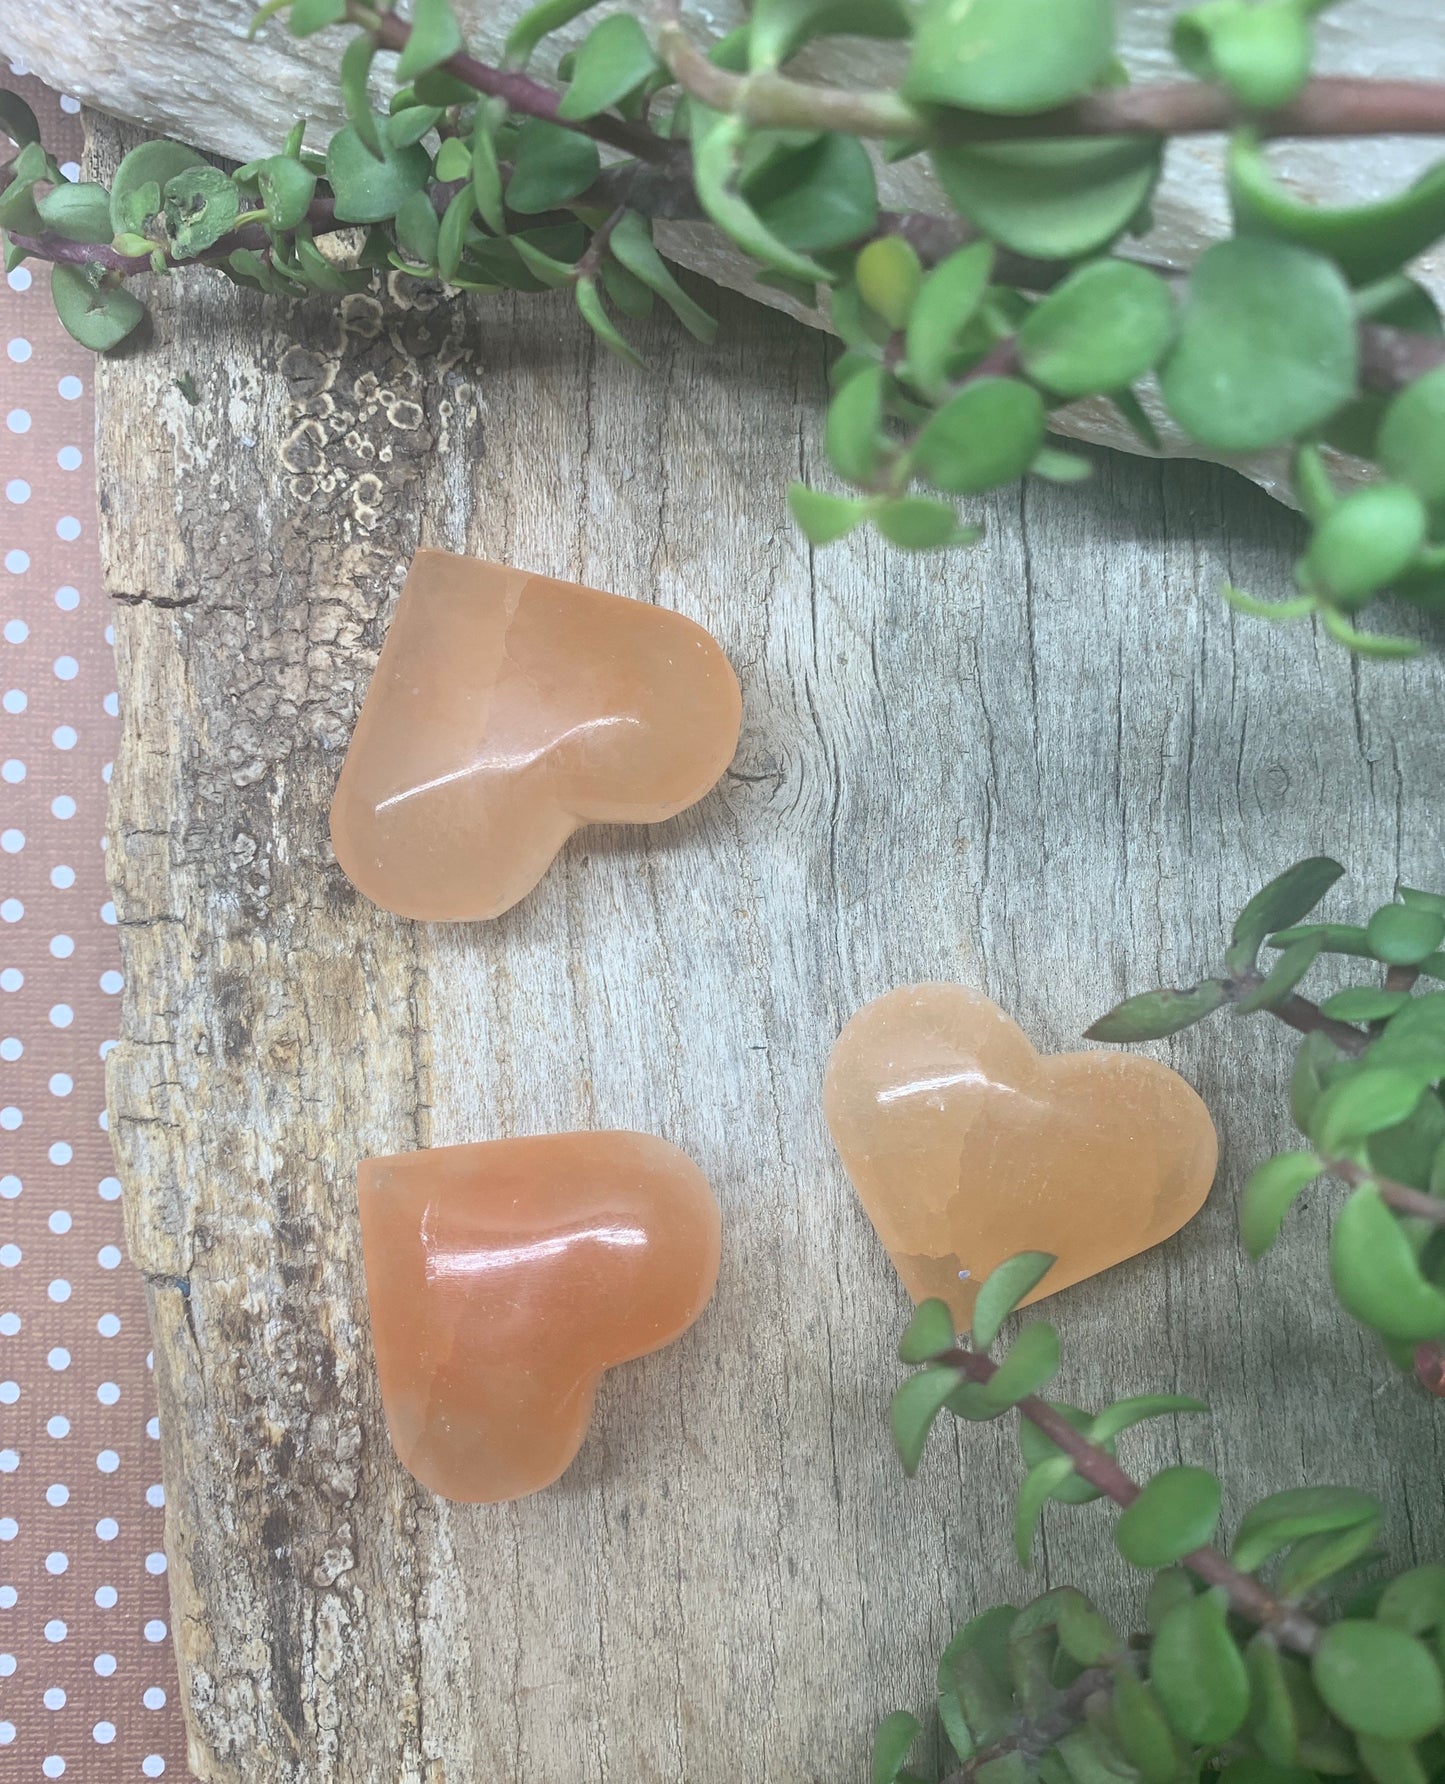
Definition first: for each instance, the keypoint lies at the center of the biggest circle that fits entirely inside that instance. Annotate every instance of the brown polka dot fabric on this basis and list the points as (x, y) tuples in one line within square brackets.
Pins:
[(87, 1676)]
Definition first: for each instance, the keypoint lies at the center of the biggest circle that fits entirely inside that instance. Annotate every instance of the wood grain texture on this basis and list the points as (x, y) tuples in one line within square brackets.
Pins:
[(1052, 767)]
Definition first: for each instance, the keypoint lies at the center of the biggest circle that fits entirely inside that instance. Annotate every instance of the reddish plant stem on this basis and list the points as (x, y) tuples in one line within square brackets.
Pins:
[(1287, 1623), (521, 94), (1305, 1017), (1399, 1196), (1430, 1368)]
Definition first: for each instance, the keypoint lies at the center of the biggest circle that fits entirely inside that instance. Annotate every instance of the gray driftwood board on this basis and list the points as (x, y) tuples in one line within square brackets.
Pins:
[(1051, 767)]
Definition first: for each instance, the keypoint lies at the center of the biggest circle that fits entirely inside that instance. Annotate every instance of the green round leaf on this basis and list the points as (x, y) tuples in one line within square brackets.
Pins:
[(1285, 900), (613, 61), (821, 196), (1009, 56), (947, 300), (98, 315), (435, 35), (853, 430), (1404, 937), (916, 1404), (896, 1734), (1411, 440), (1009, 1285), (779, 28), (17, 120), (551, 166), (1056, 199), (1284, 1518), (79, 213), (286, 188), (1364, 1003), (889, 276), (823, 518), (1151, 1015), (1176, 1512), (1198, 1673), (919, 523), (929, 1331), (368, 190), (454, 160), (1376, 1275), (1142, 1730), (1030, 1364), (1416, 1600), (1266, 346), (985, 435), (1104, 327), (1371, 1099), (418, 229), (1268, 1195), (1379, 1681), (199, 205), (1272, 1719), (1365, 542), (1260, 52), (149, 164)]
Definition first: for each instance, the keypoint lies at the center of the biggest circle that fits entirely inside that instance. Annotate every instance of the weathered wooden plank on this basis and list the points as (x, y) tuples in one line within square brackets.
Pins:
[(1052, 767)]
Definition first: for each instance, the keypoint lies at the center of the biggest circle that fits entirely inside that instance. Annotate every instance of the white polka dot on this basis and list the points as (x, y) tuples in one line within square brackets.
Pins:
[(57, 1494), (156, 1562), (18, 421), (14, 700), (9, 1461), (107, 1529), (11, 979), (10, 1255), (12, 841), (68, 527), (153, 1765), (156, 1495), (13, 771), (64, 737), (7, 1666), (12, 911), (54, 1698), (11, 1118), (10, 1186), (72, 105), (108, 1257), (17, 490), (16, 631), (59, 1290), (155, 1630), (109, 1189), (61, 1015), (55, 1630), (103, 1733), (67, 598), (107, 1047), (153, 1698), (106, 770), (10, 1324), (107, 1461), (17, 562), (7, 1733), (58, 1425), (18, 278), (9, 1530), (62, 946), (107, 1325), (110, 634), (60, 1221), (105, 1663), (63, 807), (111, 983), (53, 1765), (9, 1392), (11, 1047), (61, 1084), (102, 1121), (19, 349), (56, 1562), (153, 1428), (62, 878), (8, 1598), (66, 668), (58, 1358), (105, 1597), (107, 1393), (68, 458), (107, 913), (61, 1153)]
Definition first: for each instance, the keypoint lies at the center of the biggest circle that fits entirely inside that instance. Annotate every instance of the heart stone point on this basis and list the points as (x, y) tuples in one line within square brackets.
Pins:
[(966, 1146), (506, 711)]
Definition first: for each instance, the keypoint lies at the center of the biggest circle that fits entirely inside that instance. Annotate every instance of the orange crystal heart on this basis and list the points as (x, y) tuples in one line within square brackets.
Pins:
[(505, 1277), (965, 1146), (506, 711)]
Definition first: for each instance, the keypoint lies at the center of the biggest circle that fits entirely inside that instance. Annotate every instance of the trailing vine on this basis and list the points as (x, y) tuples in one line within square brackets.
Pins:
[(965, 333)]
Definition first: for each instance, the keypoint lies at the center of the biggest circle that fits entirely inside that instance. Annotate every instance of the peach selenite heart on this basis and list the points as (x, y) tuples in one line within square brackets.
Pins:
[(505, 1277), (506, 711), (965, 1146)]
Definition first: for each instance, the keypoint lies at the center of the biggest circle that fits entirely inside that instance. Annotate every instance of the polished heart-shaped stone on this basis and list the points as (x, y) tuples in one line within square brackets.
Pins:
[(506, 711), (505, 1277), (966, 1146)]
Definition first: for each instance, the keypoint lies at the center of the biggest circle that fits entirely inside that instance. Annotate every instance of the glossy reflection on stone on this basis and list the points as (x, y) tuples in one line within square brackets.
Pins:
[(505, 1277), (965, 1146), (506, 711)]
